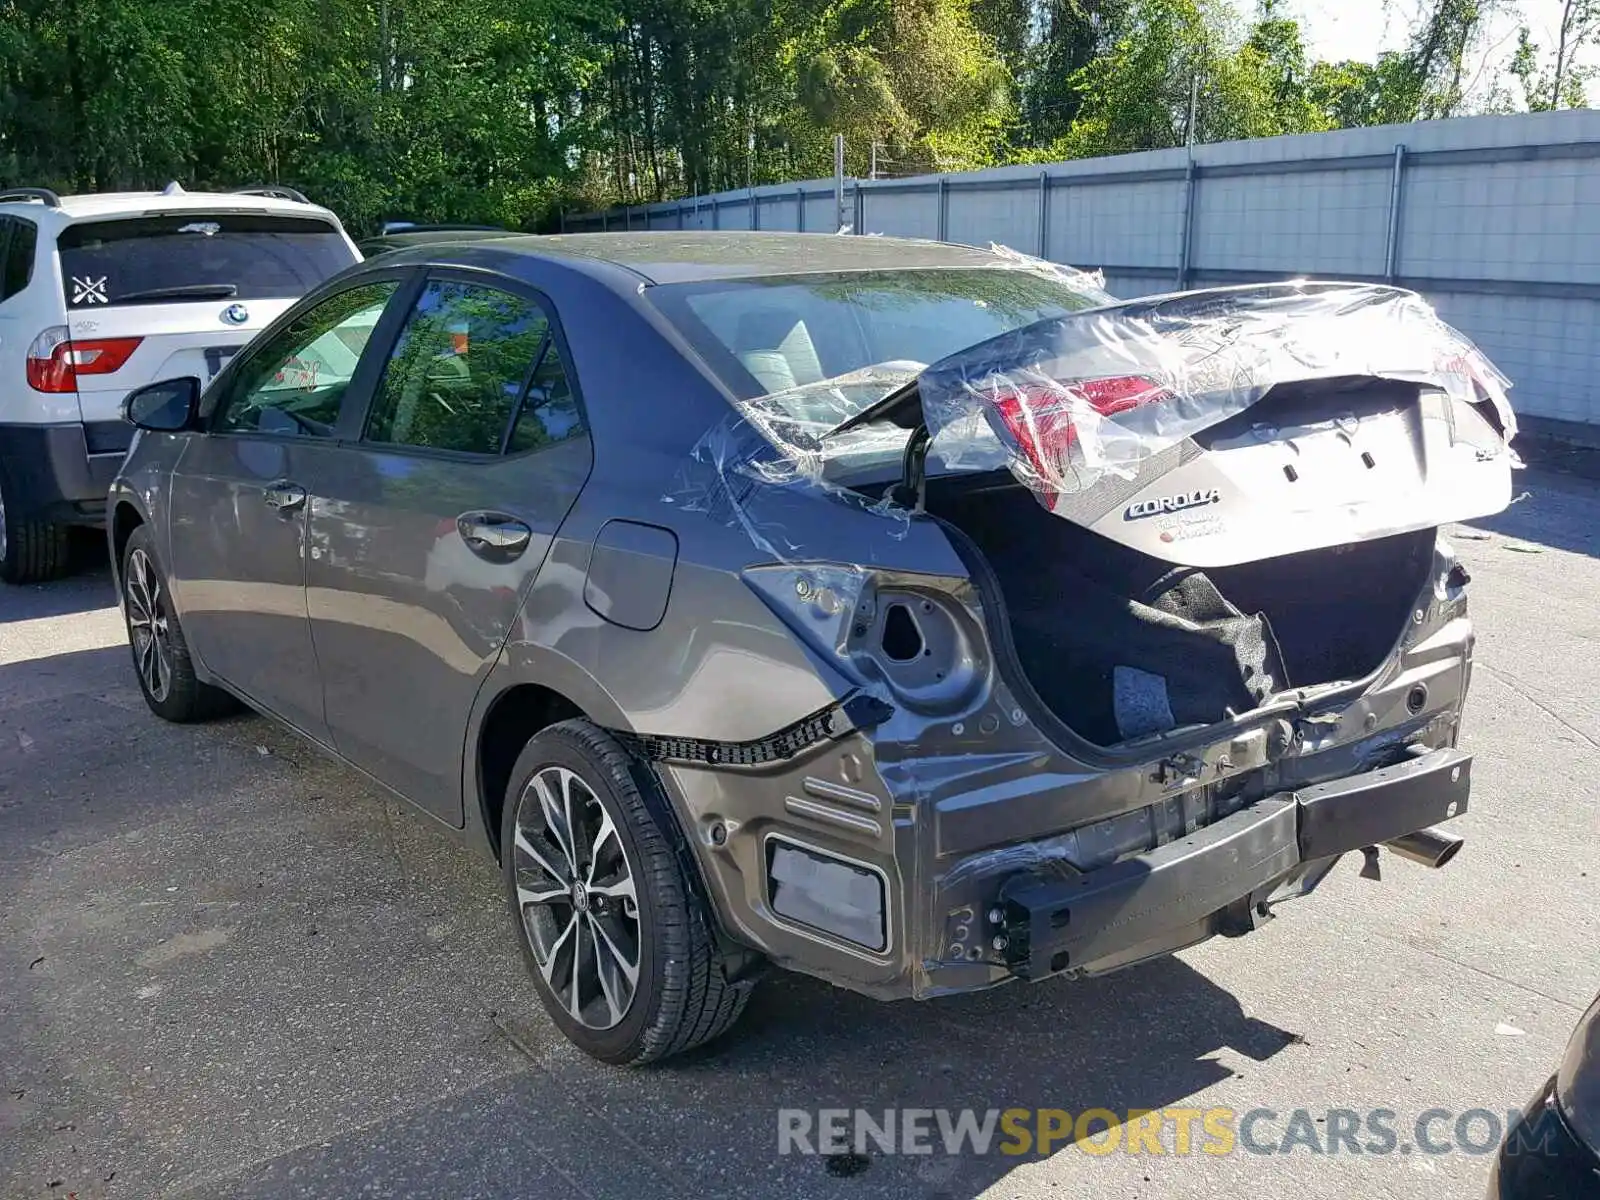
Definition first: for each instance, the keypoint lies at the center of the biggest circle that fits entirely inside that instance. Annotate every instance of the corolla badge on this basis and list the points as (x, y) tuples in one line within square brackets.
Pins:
[(1171, 504), (236, 314)]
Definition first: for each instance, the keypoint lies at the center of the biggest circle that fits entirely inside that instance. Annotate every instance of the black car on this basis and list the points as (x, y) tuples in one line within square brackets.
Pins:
[(1554, 1152)]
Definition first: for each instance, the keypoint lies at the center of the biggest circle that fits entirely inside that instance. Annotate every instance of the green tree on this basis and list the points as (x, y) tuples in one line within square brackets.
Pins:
[(916, 75), (1072, 34), (506, 111), (1560, 81), (1136, 95), (1352, 94), (1437, 58)]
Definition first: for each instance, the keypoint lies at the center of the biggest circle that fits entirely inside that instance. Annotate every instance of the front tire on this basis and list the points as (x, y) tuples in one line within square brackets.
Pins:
[(618, 941), (30, 551), (161, 659)]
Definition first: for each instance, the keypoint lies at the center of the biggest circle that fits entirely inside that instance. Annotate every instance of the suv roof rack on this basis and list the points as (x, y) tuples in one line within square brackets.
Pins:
[(50, 199), (271, 189)]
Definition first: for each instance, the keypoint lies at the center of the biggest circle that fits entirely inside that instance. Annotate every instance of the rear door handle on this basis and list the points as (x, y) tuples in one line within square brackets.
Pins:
[(284, 496), (494, 536)]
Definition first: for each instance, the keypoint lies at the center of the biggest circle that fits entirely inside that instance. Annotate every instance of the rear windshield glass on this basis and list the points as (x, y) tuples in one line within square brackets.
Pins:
[(176, 257), (860, 335)]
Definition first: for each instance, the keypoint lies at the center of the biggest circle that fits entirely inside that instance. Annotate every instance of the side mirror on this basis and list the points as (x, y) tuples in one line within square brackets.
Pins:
[(166, 407)]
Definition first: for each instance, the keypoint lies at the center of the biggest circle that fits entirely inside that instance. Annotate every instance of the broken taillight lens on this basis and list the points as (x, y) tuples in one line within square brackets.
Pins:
[(55, 360), (1042, 417)]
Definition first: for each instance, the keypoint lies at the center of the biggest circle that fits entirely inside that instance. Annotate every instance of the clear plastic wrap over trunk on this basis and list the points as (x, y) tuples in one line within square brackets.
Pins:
[(1095, 412), (1068, 402)]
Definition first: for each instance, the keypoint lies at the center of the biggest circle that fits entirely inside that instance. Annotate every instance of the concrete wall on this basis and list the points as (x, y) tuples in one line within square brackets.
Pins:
[(1495, 219)]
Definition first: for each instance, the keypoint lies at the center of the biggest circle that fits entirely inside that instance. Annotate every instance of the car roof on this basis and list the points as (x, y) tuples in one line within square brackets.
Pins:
[(406, 238), (130, 204), (690, 256)]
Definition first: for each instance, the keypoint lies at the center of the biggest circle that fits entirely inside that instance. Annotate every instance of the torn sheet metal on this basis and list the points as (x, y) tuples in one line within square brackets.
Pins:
[(1068, 402), (777, 442)]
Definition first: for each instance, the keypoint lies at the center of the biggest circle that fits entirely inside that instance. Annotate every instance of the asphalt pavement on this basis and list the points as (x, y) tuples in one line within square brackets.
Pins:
[(230, 967)]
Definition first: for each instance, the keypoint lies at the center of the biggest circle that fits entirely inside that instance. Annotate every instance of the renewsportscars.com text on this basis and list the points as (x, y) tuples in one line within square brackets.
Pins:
[(1166, 1131)]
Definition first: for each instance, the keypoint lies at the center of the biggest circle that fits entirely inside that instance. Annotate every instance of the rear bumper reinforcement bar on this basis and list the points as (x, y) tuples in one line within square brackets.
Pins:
[(1056, 922)]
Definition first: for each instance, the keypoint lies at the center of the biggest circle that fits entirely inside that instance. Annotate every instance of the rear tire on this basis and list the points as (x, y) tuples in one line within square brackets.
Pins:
[(602, 894), (161, 659), (30, 551)]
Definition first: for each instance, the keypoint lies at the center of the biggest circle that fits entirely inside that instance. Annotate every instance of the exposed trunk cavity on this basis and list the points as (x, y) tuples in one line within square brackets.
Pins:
[(1120, 645)]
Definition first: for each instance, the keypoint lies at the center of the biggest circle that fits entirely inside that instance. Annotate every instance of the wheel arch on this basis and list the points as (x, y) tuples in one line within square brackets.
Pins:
[(512, 718), (530, 689), (125, 518)]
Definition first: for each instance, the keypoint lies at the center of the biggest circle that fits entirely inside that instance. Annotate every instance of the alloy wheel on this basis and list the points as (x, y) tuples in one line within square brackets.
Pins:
[(148, 625), (575, 891)]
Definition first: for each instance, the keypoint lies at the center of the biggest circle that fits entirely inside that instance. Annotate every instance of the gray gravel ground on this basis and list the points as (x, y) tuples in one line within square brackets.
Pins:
[(229, 967)]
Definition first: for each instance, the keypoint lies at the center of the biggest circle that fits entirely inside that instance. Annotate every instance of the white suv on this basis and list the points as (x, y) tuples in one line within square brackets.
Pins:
[(100, 294)]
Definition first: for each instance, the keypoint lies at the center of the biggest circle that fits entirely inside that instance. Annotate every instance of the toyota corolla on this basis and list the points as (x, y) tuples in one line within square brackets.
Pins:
[(918, 617)]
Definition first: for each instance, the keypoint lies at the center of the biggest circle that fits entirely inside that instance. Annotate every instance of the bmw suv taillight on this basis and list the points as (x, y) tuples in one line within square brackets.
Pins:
[(56, 359)]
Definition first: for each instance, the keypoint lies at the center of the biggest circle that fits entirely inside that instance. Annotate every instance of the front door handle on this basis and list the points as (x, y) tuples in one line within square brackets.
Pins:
[(284, 496), (493, 536)]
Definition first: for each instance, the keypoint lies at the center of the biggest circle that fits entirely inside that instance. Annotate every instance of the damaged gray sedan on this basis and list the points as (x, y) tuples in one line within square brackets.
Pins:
[(917, 617)]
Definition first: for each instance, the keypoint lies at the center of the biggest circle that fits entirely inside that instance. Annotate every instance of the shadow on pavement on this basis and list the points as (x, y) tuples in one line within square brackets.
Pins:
[(338, 998), (1146, 1039), (1556, 511), (78, 593), (708, 1123)]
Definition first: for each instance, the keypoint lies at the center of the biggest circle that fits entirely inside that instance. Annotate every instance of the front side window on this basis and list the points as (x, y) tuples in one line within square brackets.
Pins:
[(296, 382), (195, 256), (459, 370)]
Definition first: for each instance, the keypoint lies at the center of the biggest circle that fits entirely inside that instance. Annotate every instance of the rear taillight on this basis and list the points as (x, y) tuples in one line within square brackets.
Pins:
[(917, 641), (55, 360), (1042, 417)]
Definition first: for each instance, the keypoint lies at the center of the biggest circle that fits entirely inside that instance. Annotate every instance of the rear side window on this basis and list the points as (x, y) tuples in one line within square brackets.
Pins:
[(549, 410), (19, 239), (471, 361), (175, 257), (784, 335)]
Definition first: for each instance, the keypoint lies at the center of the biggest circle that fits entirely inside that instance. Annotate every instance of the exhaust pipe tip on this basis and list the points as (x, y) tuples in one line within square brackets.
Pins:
[(1431, 847)]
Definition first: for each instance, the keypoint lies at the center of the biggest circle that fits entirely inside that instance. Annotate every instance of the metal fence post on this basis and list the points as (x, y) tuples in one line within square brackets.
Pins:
[(838, 180), (1190, 180), (603, 215), (799, 210), (944, 208), (755, 209), (680, 214), (861, 208), (627, 218), (1391, 250), (1044, 213), (716, 214)]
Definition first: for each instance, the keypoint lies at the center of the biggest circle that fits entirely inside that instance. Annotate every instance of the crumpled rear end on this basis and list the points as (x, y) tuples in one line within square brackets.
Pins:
[(1198, 627)]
